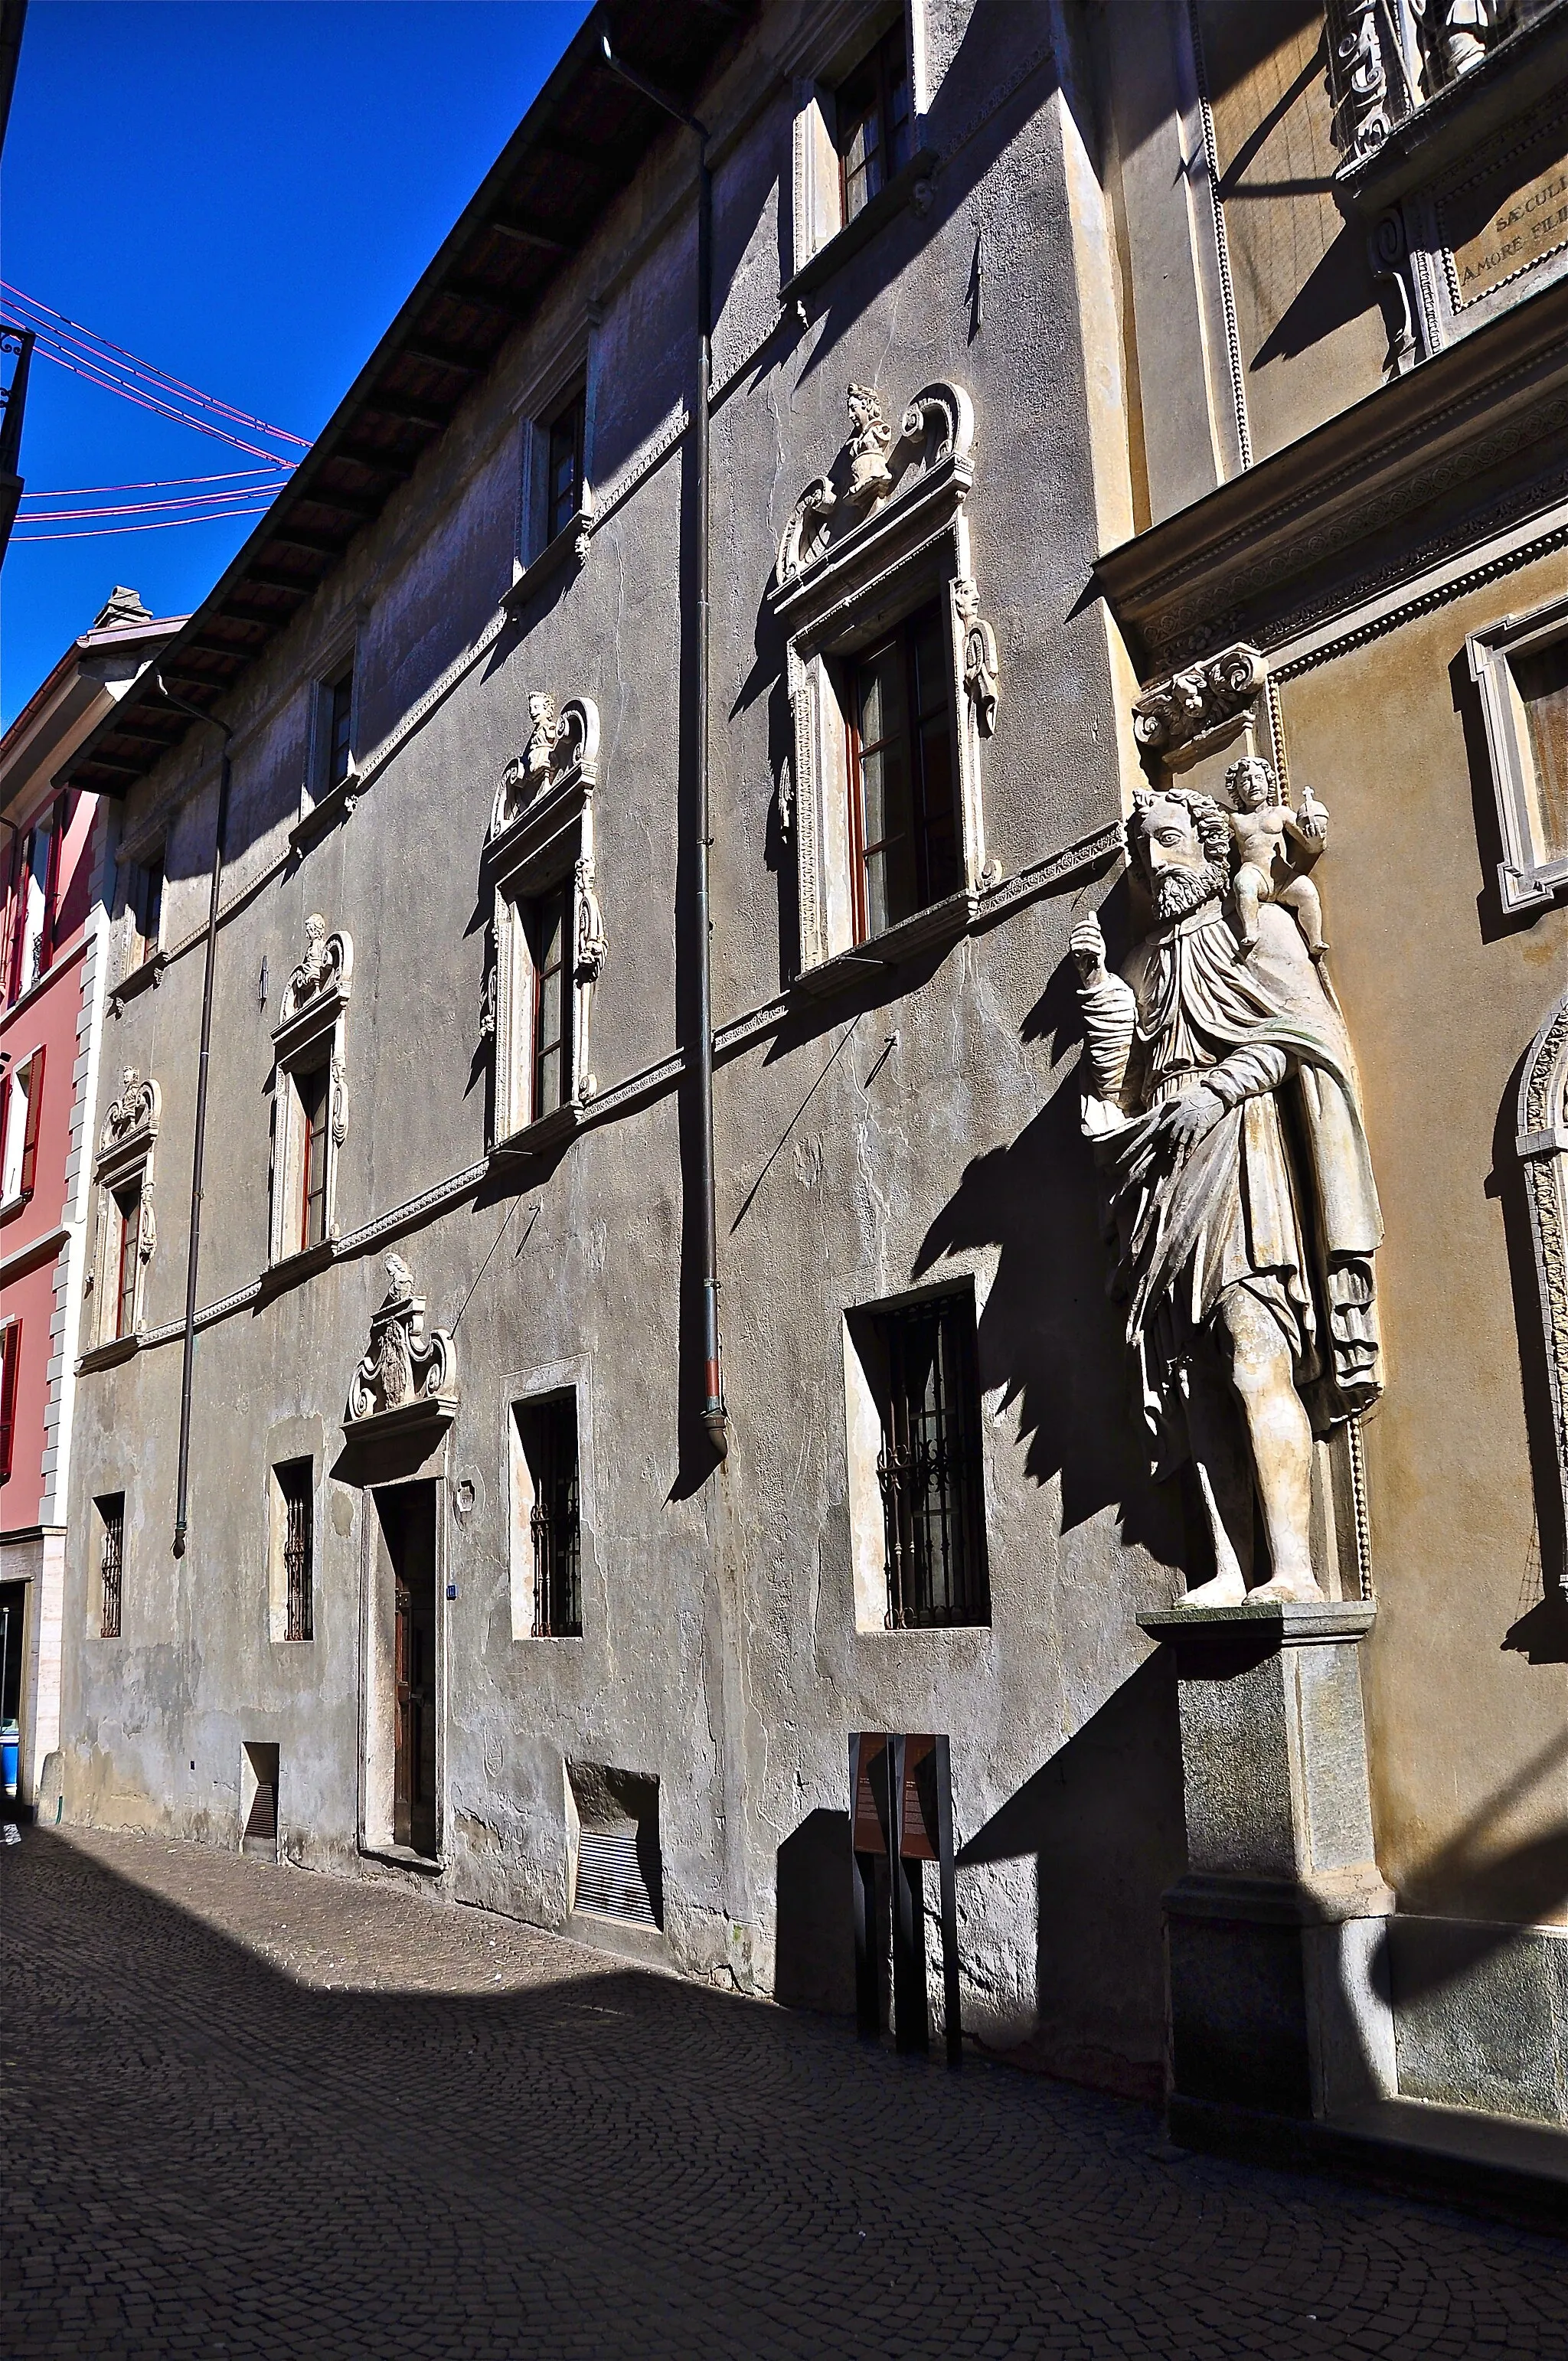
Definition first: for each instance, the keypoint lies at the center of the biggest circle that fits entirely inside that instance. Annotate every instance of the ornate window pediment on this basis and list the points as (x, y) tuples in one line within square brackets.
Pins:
[(125, 1234), (874, 587), (408, 1377), (310, 1093), (884, 478), (549, 944)]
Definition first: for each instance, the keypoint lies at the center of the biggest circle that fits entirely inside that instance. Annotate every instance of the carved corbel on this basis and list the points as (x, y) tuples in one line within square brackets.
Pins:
[(1203, 696)]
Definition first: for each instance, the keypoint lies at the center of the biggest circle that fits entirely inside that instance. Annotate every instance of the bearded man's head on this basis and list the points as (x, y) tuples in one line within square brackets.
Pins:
[(1179, 842)]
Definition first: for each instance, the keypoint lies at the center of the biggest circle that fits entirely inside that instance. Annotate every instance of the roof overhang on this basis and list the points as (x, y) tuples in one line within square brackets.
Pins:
[(575, 152)]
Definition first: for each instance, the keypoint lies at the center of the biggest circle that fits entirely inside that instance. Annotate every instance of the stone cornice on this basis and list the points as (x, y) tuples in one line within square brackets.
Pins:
[(1414, 463)]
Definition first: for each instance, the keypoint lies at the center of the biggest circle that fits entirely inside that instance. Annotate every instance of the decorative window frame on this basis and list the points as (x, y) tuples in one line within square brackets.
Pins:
[(1541, 1142), (312, 1030), (541, 835), (523, 1389), (1528, 873), (574, 359), (126, 1154), (870, 542), (832, 46)]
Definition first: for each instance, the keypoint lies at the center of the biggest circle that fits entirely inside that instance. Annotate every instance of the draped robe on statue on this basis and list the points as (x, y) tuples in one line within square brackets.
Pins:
[(1278, 1198)]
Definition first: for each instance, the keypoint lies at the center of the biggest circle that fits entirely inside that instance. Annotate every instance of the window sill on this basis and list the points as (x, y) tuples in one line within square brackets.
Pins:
[(11, 1206), (323, 816), (940, 923), (552, 1131), (1456, 119), (109, 1356), (570, 544), (289, 1269), (145, 976), (902, 191)]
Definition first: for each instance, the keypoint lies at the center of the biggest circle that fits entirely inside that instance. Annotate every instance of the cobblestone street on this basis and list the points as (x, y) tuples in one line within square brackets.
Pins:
[(252, 2112)]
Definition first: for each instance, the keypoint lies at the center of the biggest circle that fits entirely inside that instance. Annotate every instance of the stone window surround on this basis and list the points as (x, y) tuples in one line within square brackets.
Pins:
[(519, 1388), (546, 842), (336, 654), (832, 44), (863, 1443), (311, 1032), (1540, 1143), (277, 1537), (914, 549), (1529, 875), (127, 1158), (572, 359)]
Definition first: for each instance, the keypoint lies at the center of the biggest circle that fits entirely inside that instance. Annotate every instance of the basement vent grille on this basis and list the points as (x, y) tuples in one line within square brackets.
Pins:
[(610, 1875)]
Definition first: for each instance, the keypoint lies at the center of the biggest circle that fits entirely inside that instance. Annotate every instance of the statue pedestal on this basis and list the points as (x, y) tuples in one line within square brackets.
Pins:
[(1275, 1956)]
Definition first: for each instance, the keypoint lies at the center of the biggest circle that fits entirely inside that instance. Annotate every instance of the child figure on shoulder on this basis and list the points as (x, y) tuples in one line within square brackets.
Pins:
[(1274, 847)]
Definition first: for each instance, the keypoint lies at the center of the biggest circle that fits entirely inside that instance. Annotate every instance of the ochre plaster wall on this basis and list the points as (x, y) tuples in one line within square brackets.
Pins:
[(1469, 1738)]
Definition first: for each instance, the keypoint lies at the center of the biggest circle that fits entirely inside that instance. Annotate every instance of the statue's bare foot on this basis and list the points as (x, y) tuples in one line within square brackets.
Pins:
[(1298, 1588), (1225, 1590), (1316, 950)]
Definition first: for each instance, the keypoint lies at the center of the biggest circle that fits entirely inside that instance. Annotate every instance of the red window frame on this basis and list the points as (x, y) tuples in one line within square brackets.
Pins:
[(128, 1203), (28, 1177), (315, 1097), (10, 1375), (547, 912), (932, 817)]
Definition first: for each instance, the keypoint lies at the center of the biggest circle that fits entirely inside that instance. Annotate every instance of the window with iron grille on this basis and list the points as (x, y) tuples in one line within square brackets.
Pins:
[(903, 779), (111, 1510), (873, 123), (564, 480), (296, 1541), (127, 1205), (547, 1431), (929, 1465)]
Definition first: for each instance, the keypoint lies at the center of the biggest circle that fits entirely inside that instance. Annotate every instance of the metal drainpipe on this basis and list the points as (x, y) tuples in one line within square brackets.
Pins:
[(198, 1152), (715, 1417)]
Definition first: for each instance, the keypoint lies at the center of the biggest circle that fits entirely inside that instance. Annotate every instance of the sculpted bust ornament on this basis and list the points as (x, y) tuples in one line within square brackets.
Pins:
[(1220, 1095)]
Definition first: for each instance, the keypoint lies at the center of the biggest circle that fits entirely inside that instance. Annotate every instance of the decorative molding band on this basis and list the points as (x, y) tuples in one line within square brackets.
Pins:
[(1424, 602)]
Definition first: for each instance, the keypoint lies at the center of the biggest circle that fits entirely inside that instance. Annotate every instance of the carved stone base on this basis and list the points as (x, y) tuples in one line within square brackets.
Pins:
[(1276, 1947)]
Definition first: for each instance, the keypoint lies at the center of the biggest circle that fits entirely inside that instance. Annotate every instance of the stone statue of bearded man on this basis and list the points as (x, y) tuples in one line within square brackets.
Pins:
[(1222, 1099)]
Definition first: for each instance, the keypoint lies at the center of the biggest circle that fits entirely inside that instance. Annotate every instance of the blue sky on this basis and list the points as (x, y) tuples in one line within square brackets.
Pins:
[(241, 192)]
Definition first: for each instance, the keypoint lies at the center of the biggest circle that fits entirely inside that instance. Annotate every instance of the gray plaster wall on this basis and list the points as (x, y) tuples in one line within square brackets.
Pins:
[(720, 1651)]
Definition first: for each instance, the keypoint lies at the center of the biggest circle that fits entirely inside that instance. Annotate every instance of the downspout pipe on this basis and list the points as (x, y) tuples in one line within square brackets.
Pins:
[(715, 1417), (199, 1151)]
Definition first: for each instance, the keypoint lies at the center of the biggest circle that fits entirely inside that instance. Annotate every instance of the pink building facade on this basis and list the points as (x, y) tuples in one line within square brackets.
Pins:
[(55, 947)]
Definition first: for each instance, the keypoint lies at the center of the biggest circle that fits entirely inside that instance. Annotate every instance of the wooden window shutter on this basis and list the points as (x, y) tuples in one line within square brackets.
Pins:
[(10, 1364), (35, 1109)]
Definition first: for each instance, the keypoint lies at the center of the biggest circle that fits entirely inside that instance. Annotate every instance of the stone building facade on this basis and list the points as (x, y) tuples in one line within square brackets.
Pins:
[(1103, 398)]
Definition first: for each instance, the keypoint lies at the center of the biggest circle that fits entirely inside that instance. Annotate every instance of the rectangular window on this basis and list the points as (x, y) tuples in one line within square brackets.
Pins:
[(548, 930), (10, 1377), (296, 1541), (314, 1096), (873, 121), (1541, 677), (36, 879), (337, 722), (902, 782), (928, 1466), (564, 463), (548, 1432), (144, 900), (127, 1206), (21, 1111), (111, 1510)]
